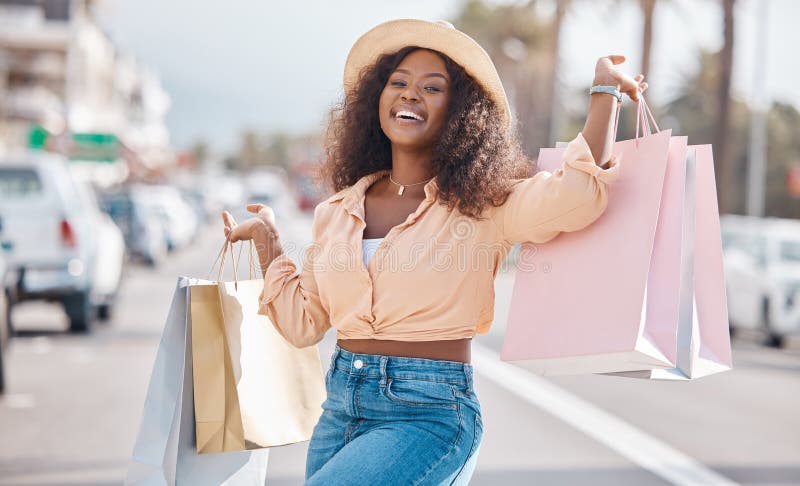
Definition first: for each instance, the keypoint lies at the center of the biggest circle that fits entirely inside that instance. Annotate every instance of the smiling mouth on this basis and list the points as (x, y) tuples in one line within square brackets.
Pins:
[(408, 117)]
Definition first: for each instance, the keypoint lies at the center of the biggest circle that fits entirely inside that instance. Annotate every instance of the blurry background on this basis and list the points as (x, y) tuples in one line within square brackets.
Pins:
[(126, 127)]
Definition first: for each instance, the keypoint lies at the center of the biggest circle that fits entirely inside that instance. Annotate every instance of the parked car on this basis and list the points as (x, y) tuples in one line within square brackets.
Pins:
[(5, 311), (55, 235), (5, 328), (109, 252), (178, 219), (143, 231), (762, 271)]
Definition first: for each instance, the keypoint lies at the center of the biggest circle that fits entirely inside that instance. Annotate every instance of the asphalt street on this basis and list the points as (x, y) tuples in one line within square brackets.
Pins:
[(74, 402)]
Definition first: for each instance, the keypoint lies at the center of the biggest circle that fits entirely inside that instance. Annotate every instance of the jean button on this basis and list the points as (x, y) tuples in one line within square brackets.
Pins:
[(358, 364)]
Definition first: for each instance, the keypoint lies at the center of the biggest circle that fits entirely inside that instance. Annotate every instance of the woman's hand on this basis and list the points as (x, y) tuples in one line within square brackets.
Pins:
[(606, 74), (263, 224), (261, 229)]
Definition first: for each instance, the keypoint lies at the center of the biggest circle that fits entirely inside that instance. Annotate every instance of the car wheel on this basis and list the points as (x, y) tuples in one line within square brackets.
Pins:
[(776, 340), (104, 312), (79, 310), (2, 372)]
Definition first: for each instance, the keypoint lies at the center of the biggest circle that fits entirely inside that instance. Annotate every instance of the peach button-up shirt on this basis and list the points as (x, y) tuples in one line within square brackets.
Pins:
[(432, 277)]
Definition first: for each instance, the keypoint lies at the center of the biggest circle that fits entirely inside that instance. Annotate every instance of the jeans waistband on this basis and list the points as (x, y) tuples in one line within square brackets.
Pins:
[(383, 366)]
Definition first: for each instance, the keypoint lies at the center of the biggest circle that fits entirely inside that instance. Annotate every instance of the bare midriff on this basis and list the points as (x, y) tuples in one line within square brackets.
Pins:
[(448, 350)]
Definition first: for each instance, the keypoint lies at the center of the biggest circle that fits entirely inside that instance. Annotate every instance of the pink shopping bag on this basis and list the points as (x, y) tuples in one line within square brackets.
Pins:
[(584, 302), (702, 331)]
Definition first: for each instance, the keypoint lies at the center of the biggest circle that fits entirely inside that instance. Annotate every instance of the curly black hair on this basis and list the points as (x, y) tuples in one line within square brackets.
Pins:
[(475, 158)]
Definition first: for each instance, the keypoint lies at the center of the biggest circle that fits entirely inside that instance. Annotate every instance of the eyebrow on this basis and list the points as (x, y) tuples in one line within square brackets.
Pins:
[(438, 75)]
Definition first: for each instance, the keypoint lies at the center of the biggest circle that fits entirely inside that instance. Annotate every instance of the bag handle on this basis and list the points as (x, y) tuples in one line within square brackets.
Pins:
[(642, 114), (221, 255)]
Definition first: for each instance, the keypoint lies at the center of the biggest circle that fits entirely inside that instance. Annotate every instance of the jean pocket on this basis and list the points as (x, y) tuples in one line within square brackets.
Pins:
[(420, 393)]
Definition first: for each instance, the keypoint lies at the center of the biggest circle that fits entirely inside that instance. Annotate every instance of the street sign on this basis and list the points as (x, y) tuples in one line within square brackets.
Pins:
[(87, 146), (97, 147)]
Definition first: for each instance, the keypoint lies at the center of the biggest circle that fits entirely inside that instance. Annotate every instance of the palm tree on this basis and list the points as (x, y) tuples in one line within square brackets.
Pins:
[(724, 168), (647, 7), (552, 100), (517, 40)]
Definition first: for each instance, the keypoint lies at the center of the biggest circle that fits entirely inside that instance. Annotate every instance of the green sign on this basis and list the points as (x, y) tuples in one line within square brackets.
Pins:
[(98, 147), (37, 137)]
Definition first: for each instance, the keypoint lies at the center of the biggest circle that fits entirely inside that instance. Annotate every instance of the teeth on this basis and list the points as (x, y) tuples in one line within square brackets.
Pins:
[(409, 114)]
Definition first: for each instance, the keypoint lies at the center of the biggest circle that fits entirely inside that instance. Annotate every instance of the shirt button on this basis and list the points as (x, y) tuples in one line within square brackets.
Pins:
[(358, 364)]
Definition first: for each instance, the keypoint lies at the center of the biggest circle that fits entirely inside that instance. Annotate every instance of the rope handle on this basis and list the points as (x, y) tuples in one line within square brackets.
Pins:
[(221, 256)]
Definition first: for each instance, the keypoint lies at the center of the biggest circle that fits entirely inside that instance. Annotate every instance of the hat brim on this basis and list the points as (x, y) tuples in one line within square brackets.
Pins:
[(394, 35)]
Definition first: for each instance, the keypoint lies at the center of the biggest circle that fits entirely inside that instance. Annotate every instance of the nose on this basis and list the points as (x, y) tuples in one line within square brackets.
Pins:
[(409, 94)]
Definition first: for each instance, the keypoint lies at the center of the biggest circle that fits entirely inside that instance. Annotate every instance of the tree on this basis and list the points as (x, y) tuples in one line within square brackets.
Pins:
[(647, 7), (553, 104), (521, 45), (722, 156)]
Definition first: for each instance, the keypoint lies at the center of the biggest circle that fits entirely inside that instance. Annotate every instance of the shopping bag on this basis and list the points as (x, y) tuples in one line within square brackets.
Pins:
[(164, 452), (218, 420), (252, 388), (702, 330), (674, 281), (581, 301)]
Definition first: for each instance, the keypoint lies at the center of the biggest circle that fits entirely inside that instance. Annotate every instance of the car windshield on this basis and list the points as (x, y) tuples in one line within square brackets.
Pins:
[(790, 251), (19, 183)]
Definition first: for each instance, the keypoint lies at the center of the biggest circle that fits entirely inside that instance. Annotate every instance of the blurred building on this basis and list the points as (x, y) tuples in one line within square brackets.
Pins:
[(61, 74)]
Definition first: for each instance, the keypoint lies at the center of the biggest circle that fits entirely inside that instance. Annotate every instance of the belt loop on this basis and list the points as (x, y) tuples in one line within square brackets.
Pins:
[(468, 374), (384, 359)]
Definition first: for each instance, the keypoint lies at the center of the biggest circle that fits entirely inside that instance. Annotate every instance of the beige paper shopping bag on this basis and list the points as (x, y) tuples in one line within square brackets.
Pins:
[(218, 421), (252, 388)]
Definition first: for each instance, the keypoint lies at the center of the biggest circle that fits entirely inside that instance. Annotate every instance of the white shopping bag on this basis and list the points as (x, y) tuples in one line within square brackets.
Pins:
[(164, 453)]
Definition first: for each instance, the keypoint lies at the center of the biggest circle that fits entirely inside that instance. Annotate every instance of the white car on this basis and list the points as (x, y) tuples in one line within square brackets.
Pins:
[(55, 236), (762, 272), (109, 252), (179, 220)]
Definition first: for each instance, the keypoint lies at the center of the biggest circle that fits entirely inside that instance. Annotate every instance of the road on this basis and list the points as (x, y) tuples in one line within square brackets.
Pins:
[(74, 403)]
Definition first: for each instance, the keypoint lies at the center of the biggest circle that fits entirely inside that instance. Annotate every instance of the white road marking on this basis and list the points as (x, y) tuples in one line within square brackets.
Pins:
[(18, 400), (640, 448)]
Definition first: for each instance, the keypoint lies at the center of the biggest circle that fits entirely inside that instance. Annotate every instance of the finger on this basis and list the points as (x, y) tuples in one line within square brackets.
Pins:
[(266, 213), (616, 58), (237, 233), (255, 207), (639, 77), (227, 219)]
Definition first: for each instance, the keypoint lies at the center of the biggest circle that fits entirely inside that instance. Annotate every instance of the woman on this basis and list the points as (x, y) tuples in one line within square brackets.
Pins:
[(431, 191)]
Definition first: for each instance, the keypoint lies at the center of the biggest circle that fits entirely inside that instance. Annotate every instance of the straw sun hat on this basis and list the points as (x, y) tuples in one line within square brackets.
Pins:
[(440, 36)]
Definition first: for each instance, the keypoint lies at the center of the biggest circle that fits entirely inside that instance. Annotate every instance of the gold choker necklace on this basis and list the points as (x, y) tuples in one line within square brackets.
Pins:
[(403, 186)]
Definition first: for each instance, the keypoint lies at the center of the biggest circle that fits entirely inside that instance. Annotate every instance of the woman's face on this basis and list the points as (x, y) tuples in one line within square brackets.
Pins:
[(413, 104)]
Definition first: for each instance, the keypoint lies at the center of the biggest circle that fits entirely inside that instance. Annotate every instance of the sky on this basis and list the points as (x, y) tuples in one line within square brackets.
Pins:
[(264, 65)]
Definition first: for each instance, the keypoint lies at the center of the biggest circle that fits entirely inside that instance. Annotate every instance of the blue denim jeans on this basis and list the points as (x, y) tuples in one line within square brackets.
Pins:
[(396, 421)]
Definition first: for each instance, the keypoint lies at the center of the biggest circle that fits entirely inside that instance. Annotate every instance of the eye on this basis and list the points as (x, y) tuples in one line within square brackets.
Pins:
[(398, 83), (435, 89)]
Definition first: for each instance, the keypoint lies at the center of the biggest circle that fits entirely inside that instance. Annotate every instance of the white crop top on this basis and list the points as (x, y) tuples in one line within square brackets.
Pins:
[(368, 248)]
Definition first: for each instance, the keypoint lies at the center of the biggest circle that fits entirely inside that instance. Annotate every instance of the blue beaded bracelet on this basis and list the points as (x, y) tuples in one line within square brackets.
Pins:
[(612, 90)]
